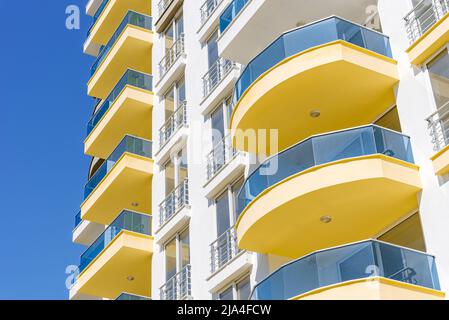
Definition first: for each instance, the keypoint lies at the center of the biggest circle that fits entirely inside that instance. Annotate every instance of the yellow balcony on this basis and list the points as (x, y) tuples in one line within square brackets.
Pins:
[(441, 161), (438, 125), (127, 110), (373, 289), (129, 48), (119, 260), (428, 28), (109, 16), (303, 89), (122, 182), (366, 270), (331, 189)]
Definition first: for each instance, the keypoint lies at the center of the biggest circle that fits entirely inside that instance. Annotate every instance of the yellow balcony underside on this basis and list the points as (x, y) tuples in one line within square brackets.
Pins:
[(129, 114), (127, 183), (441, 161), (362, 195), (429, 43), (129, 254), (349, 85), (377, 288), (112, 16), (132, 50)]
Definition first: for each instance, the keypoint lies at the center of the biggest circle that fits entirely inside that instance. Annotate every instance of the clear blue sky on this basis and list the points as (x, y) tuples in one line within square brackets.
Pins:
[(43, 112)]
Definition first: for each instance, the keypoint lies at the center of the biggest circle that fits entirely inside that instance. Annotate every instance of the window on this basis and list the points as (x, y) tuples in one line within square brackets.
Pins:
[(407, 234), (176, 171), (238, 290)]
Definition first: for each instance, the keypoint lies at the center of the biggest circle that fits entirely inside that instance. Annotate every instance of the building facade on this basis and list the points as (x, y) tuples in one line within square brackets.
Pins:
[(262, 149)]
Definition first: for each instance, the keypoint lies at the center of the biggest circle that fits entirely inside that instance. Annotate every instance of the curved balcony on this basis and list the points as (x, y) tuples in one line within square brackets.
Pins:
[(123, 181), (331, 74), (107, 18), (330, 189), (119, 260), (366, 270), (127, 110), (128, 48)]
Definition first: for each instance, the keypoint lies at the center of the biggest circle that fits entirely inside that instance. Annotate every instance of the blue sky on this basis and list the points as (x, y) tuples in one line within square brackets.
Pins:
[(43, 112)]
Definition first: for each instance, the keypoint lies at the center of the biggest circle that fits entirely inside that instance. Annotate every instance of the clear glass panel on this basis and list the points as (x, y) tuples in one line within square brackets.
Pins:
[(127, 220), (407, 234), (222, 214), (170, 259), (169, 170), (439, 77), (184, 241), (131, 78), (306, 37), (212, 49), (226, 295), (244, 289), (350, 262), (324, 149), (131, 18)]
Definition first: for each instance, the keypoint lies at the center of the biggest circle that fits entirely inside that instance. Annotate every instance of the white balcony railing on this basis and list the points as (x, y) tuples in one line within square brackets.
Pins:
[(217, 72), (439, 127), (224, 249), (177, 120), (178, 287), (171, 55), (208, 8), (174, 202), (423, 16), (222, 153)]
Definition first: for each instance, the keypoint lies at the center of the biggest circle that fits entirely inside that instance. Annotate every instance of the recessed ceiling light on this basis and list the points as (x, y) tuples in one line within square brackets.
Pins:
[(326, 219), (315, 113)]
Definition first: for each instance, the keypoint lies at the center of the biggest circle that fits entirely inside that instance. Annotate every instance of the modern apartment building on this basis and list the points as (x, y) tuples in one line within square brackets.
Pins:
[(266, 149)]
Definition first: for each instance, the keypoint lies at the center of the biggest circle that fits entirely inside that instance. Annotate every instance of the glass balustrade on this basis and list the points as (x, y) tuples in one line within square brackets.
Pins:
[(130, 78), (131, 18), (127, 220), (306, 37)]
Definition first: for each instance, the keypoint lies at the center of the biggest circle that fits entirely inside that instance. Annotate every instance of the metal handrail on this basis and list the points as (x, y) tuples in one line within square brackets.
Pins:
[(438, 124), (423, 16), (171, 56), (177, 120), (207, 8), (216, 73), (174, 202), (177, 287), (220, 155), (224, 249)]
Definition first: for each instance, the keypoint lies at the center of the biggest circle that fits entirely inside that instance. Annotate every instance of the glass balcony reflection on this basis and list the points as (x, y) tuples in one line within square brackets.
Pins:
[(127, 220), (129, 144), (322, 149), (306, 37), (131, 18)]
